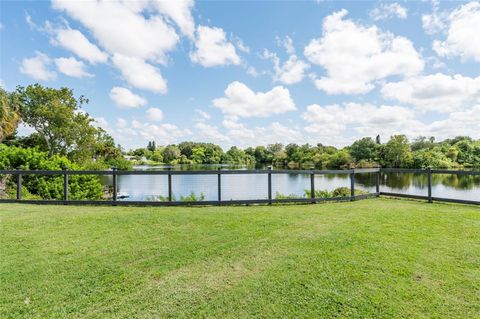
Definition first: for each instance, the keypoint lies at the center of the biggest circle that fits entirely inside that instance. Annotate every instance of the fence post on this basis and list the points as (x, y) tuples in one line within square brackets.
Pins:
[(65, 184), (377, 182), (169, 185), (114, 175), (219, 184), (352, 185), (429, 172), (269, 185), (312, 187), (19, 184)]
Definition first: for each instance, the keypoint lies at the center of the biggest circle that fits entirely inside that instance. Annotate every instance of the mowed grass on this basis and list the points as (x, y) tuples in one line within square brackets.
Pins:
[(381, 258)]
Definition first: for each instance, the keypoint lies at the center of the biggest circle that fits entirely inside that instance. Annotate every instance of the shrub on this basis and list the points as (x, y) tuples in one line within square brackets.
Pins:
[(48, 186), (279, 195), (192, 197), (341, 192)]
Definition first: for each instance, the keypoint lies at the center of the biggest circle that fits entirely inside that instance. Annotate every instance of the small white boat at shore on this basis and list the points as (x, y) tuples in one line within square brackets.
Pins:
[(122, 195)]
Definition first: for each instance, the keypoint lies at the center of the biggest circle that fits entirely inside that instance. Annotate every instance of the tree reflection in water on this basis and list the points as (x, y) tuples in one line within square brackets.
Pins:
[(407, 180)]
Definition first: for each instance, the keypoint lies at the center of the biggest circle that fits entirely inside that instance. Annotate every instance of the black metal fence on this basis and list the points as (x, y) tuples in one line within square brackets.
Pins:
[(430, 197), (170, 201)]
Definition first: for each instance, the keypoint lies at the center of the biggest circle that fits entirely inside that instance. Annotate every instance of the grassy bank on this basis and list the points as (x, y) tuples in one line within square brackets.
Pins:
[(372, 258)]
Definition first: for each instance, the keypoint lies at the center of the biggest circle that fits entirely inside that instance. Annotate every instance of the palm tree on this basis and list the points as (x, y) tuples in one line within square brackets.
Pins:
[(9, 114)]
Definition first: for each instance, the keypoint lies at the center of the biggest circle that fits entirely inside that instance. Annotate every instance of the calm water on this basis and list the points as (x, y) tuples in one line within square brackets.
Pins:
[(249, 186)]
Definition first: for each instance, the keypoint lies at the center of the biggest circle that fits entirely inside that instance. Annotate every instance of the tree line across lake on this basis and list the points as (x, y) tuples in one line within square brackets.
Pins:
[(459, 152), (65, 137)]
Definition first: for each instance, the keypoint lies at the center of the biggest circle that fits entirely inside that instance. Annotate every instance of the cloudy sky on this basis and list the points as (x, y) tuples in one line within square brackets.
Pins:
[(254, 72)]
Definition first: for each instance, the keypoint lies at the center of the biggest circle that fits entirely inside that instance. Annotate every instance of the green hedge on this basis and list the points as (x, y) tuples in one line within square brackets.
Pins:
[(47, 186)]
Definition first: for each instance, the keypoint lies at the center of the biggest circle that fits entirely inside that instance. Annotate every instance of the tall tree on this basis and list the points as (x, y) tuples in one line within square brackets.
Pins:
[(397, 152), (364, 149), (9, 113), (171, 153), (55, 114)]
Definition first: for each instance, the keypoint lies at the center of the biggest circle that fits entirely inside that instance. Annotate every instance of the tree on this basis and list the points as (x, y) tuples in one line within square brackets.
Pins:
[(55, 115), (431, 158), (397, 152), (198, 154), (235, 155), (171, 153), (422, 142), (213, 153), (364, 149), (280, 158), (9, 113), (151, 146), (261, 155), (340, 159)]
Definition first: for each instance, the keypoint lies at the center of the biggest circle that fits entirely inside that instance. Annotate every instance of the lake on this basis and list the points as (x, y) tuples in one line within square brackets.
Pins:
[(253, 186)]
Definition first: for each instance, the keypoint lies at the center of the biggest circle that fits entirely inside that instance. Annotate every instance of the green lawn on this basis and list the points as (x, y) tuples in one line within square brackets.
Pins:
[(381, 258)]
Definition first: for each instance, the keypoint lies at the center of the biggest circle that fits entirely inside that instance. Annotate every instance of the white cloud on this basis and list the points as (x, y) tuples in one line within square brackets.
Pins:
[(252, 71), (122, 28), (240, 45), (154, 114), (136, 133), (331, 121), (37, 67), (125, 98), (210, 133), (287, 43), (138, 34), (241, 101), (163, 133), (76, 42), (283, 134), (355, 56), (203, 115), (244, 136), (140, 74), (389, 10), (462, 34), (180, 12), (436, 21), (291, 72), (101, 122), (465, 122), (29, 20), (438, 92), (121, 123), (72, 67), (238, 132), (213, 49)]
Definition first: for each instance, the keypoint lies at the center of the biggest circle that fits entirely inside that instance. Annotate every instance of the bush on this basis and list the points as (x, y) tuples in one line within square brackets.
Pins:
[(341, 192), (192, 197), (337, 192), (48, 186), (279, 195), (318, 193)]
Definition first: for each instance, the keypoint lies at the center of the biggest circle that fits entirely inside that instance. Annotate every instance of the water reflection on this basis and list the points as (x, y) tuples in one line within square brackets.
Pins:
[(443, 185), (248, 186)]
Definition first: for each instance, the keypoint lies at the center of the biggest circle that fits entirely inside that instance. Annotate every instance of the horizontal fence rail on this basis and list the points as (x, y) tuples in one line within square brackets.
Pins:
[(430, 196), (114, 173)]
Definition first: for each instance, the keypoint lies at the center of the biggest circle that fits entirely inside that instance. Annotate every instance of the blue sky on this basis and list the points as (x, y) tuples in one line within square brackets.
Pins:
[(254, 72)]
